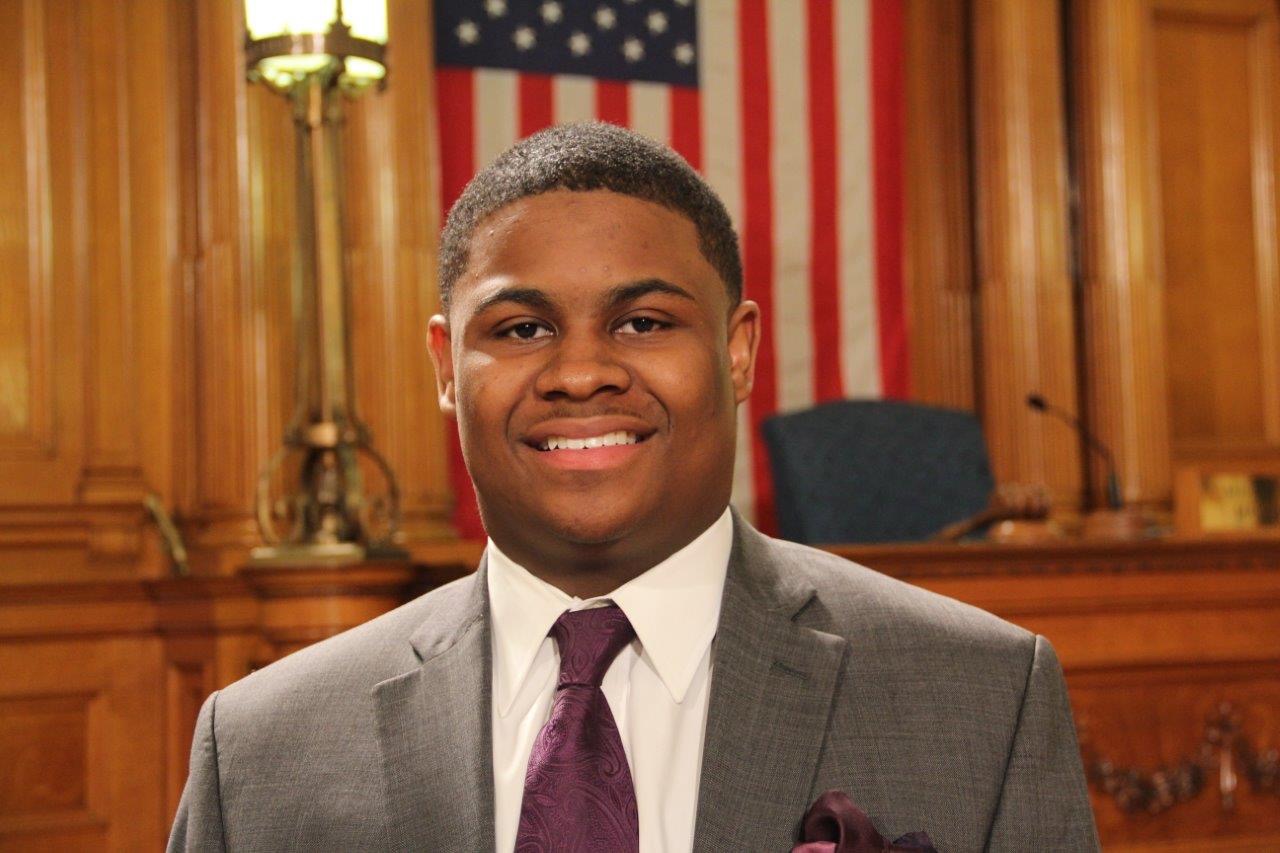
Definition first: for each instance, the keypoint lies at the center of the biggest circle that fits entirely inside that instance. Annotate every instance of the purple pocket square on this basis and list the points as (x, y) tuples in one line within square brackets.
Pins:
[(834, 824)]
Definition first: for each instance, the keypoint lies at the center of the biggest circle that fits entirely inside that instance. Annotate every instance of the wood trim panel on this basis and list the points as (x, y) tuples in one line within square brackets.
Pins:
[(40, 462), (1162, 719), (392, 233), (112, 471), (109, 686), (1027, 318), (26, 402), (939, 261), (1234, 366), (1122, 276), (226, 434)]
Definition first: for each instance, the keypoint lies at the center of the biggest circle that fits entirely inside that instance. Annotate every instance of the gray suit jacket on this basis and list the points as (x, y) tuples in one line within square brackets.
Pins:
[(930, 714)]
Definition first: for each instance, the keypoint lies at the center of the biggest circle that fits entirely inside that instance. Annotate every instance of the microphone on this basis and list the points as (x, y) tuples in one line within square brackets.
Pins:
[(1040, 404)]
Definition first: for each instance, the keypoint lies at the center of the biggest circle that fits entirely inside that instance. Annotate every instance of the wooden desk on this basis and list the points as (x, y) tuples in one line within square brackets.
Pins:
[(1156, 638)]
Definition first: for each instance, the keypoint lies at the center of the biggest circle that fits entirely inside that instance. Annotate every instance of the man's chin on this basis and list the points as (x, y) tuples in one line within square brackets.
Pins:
[(595, 532)]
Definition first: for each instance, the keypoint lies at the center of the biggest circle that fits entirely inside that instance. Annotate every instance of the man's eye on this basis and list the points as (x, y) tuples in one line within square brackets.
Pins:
[(526, 331), (641, 326)]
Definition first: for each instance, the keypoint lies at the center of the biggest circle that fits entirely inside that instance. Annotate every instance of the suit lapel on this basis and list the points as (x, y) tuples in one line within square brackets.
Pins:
[(435, 730), (771, 694)]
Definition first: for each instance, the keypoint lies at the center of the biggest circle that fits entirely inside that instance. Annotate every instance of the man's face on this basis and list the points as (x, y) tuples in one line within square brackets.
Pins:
[(594, 364)]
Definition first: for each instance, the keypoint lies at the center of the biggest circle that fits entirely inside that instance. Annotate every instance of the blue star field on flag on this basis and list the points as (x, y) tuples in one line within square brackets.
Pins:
[(652, 40)]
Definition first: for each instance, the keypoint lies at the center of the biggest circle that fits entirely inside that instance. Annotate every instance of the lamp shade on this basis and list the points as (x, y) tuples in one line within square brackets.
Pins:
[(288, 39)]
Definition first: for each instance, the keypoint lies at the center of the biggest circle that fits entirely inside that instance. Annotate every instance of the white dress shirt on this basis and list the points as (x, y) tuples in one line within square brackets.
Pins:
[(657, 687)]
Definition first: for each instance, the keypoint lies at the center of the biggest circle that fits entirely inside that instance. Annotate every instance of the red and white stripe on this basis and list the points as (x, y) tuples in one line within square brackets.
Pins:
[(797, 125)]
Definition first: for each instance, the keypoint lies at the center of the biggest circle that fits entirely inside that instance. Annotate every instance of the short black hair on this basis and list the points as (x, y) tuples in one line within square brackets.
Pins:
[(583, 157)]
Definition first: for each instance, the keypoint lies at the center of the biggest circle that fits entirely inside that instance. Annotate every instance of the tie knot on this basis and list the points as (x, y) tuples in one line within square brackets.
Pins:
[(589, 640)]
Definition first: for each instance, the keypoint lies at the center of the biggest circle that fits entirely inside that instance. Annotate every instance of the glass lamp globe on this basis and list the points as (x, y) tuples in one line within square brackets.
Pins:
[(288, 40)]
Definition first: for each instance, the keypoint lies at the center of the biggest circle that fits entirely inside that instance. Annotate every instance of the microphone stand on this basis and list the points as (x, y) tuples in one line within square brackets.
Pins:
[(1116, 520)]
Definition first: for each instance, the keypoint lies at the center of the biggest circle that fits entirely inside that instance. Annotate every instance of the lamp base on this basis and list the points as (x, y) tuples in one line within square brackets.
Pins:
[(335, 554)]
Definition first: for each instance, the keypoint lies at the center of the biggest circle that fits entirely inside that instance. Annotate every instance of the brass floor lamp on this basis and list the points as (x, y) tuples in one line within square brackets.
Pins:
[(316, 53)]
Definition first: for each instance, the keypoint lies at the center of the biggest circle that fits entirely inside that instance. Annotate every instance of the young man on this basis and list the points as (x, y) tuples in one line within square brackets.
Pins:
[(632, 667)]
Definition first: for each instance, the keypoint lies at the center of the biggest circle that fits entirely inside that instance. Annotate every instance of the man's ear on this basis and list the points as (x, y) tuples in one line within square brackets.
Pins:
[(744, 342), (440, 344)]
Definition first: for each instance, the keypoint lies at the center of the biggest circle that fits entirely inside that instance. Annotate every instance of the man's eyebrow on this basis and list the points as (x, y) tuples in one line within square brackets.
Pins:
[(530, 297), (634, 290)]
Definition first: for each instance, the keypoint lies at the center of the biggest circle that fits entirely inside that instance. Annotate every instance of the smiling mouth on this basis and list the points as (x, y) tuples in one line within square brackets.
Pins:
[(617, 438)]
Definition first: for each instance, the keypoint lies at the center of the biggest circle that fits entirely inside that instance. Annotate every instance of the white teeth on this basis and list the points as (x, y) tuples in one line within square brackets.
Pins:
[(609, 439)]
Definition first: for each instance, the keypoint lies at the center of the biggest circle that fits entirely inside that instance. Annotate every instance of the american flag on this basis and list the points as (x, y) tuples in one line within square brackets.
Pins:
[(792, 110)]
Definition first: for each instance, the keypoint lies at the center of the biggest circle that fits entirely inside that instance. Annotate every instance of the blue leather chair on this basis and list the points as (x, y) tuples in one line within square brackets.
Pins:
[(875, 471)]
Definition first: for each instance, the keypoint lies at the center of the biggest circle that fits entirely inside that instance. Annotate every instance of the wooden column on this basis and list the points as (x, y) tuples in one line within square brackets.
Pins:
[(225, 434), (939, 262), (1027, 341), (1124, 335), (392, 232)]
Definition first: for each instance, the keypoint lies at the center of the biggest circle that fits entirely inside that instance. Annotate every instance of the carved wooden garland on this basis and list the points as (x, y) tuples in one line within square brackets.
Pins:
[(1224, 752)]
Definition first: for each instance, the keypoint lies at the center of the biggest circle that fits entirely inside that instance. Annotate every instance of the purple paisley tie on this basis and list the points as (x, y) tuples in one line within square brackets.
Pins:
[(578, 794)]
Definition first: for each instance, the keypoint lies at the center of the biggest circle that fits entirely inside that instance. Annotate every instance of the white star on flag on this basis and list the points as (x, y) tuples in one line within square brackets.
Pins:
[(551, 12), (495, 8), (606, 18), (524, 37), (633, 50), (579, 44), (683, 53), (657, 22), (467, 32)]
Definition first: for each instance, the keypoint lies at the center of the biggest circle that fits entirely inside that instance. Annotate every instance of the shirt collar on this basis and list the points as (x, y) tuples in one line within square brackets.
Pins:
[(674, 608)]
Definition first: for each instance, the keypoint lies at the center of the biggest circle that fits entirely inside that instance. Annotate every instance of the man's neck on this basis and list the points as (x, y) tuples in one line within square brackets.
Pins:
[(588, 576), (589, 570)]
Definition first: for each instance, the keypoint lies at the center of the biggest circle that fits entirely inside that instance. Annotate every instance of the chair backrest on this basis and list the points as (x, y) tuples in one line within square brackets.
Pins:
[(875, 471)]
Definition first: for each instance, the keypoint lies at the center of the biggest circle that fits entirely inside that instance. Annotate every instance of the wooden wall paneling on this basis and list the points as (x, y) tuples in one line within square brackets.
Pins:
[(271, 216), (1027, 318), (86, 348), (1215, 97), (83, 769), (228, 434), (112, 469), (392, 229), (183, 54), (155, 216), (147, 331), (25, 382), (939, 260), (1126, 391), (211, 638), (1159, 720), (41, 360)]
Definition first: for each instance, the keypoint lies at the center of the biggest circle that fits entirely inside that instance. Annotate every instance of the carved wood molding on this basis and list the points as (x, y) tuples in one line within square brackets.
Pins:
[(1224, 755), (1066, 558)]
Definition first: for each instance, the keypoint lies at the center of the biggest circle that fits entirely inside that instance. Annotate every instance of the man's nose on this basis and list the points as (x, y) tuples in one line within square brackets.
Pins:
[(580, 368)]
